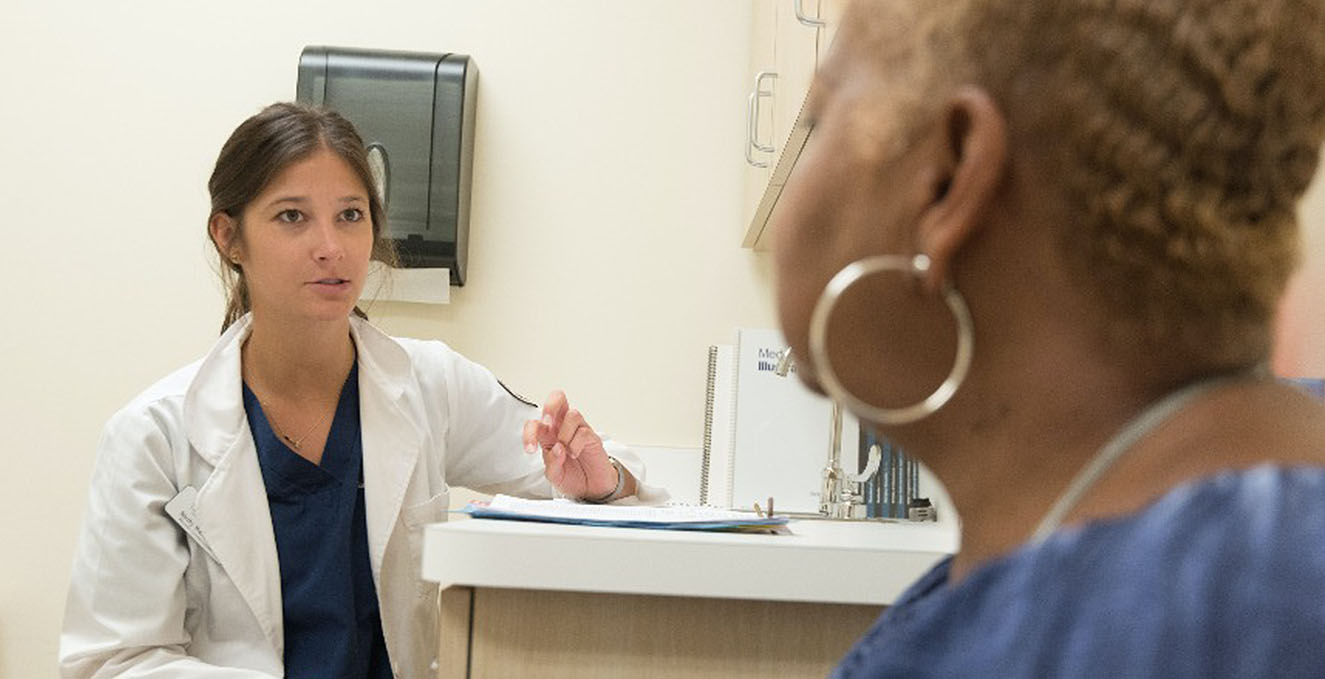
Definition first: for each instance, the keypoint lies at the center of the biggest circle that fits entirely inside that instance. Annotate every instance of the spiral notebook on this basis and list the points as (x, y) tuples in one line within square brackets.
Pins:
[(715, 484), (764, 435)]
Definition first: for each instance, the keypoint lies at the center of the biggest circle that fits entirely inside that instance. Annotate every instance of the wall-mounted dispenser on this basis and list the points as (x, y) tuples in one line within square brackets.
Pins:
[(415, 112)]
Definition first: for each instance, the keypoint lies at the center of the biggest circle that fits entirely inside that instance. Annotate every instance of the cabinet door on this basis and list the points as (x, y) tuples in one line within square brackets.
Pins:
[(830, 12), (759, 134), (798, 31), (797, 38)]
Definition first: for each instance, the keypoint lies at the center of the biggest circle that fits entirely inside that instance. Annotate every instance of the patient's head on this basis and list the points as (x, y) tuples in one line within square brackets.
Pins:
[(1165, 143)]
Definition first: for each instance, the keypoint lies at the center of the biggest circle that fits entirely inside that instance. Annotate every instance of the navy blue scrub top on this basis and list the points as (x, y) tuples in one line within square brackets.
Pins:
[(333, 628)]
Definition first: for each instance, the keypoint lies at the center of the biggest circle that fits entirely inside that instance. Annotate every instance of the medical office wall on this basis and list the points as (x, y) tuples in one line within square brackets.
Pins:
[(605, 224)]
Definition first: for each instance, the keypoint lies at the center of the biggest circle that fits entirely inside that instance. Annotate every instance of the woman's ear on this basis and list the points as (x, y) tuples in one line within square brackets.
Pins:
[(975, 157), (224, 231)]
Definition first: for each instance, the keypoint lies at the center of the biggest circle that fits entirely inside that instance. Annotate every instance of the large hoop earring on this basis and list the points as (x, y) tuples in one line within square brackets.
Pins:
[(823, 367)]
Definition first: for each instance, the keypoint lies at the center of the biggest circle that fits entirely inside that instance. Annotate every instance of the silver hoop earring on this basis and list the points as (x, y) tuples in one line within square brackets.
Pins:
[(823, 367)]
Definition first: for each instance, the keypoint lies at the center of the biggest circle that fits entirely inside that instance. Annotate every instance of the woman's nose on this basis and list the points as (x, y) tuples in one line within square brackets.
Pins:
[(328, 245)]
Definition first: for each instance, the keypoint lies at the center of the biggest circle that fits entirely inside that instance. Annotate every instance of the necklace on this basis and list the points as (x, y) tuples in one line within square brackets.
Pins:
[(294, 443), (1154, 415)]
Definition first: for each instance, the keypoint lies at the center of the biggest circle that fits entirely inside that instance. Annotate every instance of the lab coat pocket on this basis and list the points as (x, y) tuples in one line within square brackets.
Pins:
[(415, 517)]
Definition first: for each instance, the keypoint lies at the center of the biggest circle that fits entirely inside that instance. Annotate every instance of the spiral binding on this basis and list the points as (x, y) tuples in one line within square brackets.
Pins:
[(708, 427)]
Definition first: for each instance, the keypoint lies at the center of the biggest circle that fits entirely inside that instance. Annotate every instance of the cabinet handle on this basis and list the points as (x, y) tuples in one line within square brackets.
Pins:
[(803, 18), (752, 119)]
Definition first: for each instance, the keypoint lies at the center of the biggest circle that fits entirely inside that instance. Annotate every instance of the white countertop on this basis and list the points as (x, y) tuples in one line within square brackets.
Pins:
[(863, 562)]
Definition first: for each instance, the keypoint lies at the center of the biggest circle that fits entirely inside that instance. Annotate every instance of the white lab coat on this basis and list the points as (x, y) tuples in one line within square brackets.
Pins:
[(148, 600)]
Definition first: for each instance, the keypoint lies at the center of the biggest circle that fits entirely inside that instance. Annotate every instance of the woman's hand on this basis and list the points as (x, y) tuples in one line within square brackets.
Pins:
[(573, 453)]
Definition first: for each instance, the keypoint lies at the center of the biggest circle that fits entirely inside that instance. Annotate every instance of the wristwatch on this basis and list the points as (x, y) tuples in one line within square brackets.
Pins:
[(620, 484)]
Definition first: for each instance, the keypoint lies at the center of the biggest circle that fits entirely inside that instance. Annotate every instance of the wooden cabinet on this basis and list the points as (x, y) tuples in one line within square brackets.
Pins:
[(523, 599), (788, 40), (760, 152), (495, 633)]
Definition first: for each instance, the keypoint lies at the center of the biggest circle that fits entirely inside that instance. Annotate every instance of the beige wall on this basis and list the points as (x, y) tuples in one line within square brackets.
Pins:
[(605, 256), (605, 220)]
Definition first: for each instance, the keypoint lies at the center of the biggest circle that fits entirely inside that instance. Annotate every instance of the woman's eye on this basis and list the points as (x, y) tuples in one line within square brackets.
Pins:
[(289, 216), (353, 214)]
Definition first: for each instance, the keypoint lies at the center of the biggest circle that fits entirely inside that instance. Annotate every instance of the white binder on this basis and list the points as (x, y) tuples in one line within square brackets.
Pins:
[(765, 435)]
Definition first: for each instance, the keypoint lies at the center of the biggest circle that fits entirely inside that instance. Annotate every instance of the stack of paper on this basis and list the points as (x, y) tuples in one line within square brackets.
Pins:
[(670, 517)]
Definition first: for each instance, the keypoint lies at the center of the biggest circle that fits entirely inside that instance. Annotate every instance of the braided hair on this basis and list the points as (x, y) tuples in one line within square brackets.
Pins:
[(1181, 134)]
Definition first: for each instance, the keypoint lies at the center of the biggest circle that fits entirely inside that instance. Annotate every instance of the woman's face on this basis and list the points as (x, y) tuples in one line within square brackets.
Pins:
[(849, 195), (306, 241), (865, 180)]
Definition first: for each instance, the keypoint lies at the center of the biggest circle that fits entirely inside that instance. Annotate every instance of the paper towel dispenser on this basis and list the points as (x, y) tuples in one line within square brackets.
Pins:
[(415, 112)]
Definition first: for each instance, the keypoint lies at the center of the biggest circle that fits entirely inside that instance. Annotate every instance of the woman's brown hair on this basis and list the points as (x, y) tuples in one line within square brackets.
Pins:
[(258, 150)]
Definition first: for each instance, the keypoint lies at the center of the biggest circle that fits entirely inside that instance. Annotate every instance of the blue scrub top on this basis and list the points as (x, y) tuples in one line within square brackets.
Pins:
[(1221, 578), (333, 628)]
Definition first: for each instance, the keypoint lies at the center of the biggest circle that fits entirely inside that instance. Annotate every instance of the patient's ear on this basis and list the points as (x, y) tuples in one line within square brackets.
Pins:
[(973, 160)]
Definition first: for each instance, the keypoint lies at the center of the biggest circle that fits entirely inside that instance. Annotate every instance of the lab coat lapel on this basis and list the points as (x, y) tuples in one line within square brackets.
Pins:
[(231, 509), (391, 436), (233, 515)]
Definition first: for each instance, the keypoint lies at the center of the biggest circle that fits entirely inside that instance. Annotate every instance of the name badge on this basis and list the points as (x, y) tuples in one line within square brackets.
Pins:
[(181, 509)]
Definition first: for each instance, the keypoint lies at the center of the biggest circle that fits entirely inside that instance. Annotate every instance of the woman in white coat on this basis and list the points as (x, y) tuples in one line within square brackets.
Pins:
[(259, 512)]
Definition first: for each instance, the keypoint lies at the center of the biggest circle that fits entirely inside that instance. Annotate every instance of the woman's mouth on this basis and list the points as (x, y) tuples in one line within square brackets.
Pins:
[(331, 287)]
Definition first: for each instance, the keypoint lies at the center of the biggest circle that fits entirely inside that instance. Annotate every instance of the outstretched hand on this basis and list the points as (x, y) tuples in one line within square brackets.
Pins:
[(573, 455)]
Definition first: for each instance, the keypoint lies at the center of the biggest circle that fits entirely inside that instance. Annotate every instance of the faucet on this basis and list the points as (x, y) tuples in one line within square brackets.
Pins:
[(839, 494)]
